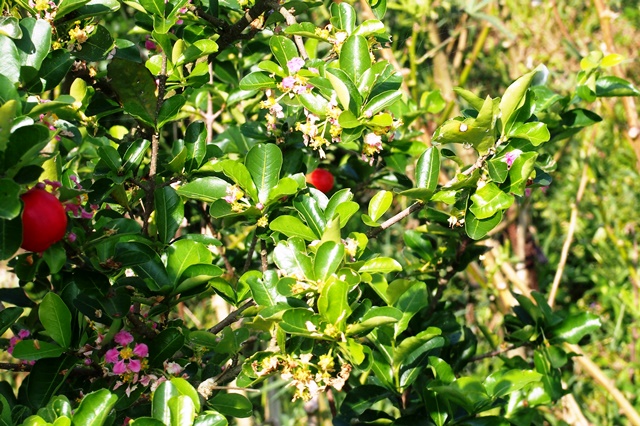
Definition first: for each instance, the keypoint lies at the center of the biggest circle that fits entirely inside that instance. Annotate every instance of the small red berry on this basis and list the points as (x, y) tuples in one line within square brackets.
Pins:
[(322, 179), (44, 220)]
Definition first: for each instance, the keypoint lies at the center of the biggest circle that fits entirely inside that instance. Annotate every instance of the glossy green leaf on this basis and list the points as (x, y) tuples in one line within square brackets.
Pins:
[(10, 204), (263, 287), (498, 170), (8, 317), (169, 210), (329, 257), (98, 45), (291, 258), (134, 155), (10, 26), (232, 404), (257, 80), (10, 237), (375, 317), (382, 265), (31, 350), (198, 49), (160, 401), (154, 7), (210, 418), (610, 86), (333, 304), (207, 189), (291, 226), (380, 102), (285, 187), (10, 64), (264, 162), (239, 173), (147, 421), (97, 7), (35, 42), (369, 28), (378, 7), (311, 212), (130, 253), (135, 87), (536, 132), (185, 388), (54, 69), (343, 16), (476, 228), (170, 109), (196, 275), (55, 316), (362, 398), (410, 303), (488, 200), (346, 90), (520, 172), (183, 253), (502, 383), (355, 59), (428, 169), (165, 345), (284, 50), (471, 98), (67, 6), (379, 204), (94, 408), (413, 358), (46, 377), (512, 99), (575, 327)]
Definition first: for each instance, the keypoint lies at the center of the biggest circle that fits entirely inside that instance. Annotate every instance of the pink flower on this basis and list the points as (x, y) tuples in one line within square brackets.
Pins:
[(149, 44), (511, 156), (172, 368), (288, 82), (134, 365), (123, 337), (295, 65), (119, 367), (141, 350), (112, 356), (72, 237), (23, 334)]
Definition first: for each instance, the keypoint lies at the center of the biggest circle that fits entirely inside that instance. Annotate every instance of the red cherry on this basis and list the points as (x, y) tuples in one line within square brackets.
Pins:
[(322, 179), (44, 221)]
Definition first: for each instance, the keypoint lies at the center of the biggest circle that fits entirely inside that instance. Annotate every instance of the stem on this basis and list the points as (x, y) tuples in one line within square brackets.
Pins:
[(291, 20), (494, 353), (231, 318), (252, 248)]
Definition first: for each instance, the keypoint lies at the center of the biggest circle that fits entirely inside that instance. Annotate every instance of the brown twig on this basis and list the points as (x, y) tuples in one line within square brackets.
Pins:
[(252, 248), (291, 20), (494, 353), (231, 318)]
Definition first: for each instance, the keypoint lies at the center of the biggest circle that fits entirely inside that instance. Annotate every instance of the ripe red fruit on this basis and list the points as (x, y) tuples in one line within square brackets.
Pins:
[(44, 221), (322, 179)]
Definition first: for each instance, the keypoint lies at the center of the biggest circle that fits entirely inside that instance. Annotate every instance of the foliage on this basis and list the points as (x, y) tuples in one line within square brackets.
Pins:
[(180, 151)]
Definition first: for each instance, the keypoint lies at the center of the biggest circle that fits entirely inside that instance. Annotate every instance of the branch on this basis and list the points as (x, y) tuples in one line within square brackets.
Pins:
[(495, 353), (231, 318), (291, 20)]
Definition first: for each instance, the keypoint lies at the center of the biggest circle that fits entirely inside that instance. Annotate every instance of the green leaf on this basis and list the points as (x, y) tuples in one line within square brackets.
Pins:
[(264, 162), (343, 16), (239, 173), (283, 50), (169, 210), (471, 98), (512, 99), (183, 253), (369, 27), (35, 42), (355, 59), (488, 200), (130, 253), (53, 70), (10, 204), (381, 101), (361, 398), (154, 7), (257, 80), (182, 411), (10, 64), (346, 91), (520, 172), (198, 49), (498, 170), (97, 7), (409, 303), (382, 265), (46, 377), (185, 388), (160, 401), (8, 317), (98, 46), (536, 132), (135, 87), (292, 259), (373, 318), (476, 228), (170, 109), (10, 26), (428, 169), (165, 345), (610, 86), (329, 257), (210, 418), (67, 6), (94, 408), (55, 316), (31, 350), (263, 287), (333, 304), (308, 207), (291, 226), (203, 338), (232, 404), (207, 189), (379, 204), (378, 7), (10, 237), (575, 327), (502, 383)]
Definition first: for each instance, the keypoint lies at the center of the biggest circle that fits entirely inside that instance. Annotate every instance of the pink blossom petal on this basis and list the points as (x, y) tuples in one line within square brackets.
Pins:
[(134, 365), (141, 350), (123, 337), (112, 356), (119, 367)]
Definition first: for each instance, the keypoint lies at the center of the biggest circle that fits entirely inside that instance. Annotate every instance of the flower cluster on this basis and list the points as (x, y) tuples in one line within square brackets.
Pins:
[(235, 197), (308, 378), (78, 35), (46, 9)]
